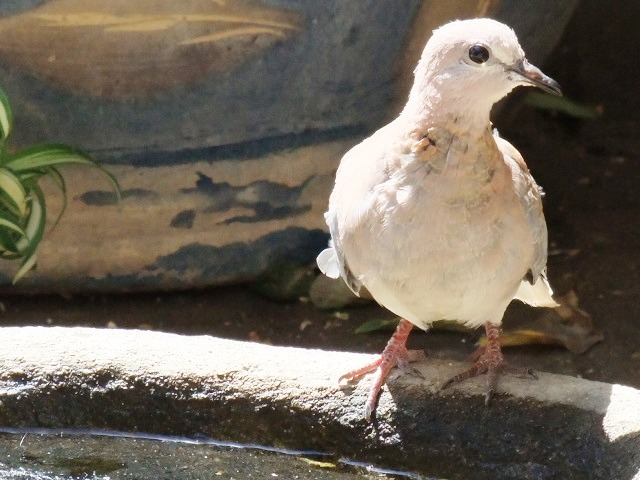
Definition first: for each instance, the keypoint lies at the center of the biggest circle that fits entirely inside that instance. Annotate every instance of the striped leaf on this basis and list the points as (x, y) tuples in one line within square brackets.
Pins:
[(34, 232), (50, 155), (6, 117), (13, 191)]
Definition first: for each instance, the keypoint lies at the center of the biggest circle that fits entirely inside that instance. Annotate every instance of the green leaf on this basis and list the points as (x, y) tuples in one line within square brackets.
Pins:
[(34, 227), (57, 178), (10, 232), (8, 247), (544, 101), (6, 117), (48, 155), (25, 267), (59, 181), (4, 223), (378, 324), (34, 232), (13, 190)]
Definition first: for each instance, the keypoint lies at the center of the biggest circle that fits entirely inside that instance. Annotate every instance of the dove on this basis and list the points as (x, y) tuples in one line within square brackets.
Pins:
[(435, 214)]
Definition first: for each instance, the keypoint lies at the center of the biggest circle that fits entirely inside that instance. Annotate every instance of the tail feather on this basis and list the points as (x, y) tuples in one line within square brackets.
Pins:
[(538, 294), (328, 263)]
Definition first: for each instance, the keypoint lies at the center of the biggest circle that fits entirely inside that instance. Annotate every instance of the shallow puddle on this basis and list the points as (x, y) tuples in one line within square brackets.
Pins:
[(38, 454)]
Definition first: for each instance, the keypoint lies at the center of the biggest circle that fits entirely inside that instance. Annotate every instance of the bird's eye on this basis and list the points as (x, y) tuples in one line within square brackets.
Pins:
[(478, 54)]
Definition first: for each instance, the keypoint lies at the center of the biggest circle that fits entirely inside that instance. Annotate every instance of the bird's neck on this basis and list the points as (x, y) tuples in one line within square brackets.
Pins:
[(428, 106)]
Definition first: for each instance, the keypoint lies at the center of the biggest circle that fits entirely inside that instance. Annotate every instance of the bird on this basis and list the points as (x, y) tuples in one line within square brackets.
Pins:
[(435, 214)]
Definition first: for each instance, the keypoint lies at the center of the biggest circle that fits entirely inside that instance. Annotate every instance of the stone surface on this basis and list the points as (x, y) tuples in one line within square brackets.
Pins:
[(556, 427)]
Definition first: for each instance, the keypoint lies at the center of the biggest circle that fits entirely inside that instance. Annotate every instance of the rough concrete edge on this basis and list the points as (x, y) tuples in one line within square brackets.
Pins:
[(169, 384)]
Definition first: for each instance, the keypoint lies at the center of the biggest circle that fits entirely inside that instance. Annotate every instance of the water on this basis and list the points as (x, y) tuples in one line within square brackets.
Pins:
[(40, 454)]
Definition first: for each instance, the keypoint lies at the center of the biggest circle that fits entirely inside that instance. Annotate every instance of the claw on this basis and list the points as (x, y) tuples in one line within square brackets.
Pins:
[(492, 363), (394, 354)]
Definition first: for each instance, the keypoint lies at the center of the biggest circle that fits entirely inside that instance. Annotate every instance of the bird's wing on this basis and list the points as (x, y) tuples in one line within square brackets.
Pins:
[(331, 260), (360, 170), (342, 204), (534, 289)]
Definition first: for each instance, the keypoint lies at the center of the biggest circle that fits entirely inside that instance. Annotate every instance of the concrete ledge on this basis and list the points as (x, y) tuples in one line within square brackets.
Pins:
[(556, 427)]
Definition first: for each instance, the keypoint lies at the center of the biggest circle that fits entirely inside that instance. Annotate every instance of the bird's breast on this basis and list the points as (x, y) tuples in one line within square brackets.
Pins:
[(443, 238)]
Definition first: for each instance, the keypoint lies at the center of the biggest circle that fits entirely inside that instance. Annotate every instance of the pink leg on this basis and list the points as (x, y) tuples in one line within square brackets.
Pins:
[(394, 354), (492, 363)]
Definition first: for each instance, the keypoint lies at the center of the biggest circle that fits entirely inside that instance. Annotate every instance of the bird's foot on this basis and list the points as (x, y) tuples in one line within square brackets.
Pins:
[(394, 354), (492, 363)]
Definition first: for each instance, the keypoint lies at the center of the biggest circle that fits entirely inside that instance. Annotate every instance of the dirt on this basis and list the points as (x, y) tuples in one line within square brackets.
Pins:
[(589, 170)]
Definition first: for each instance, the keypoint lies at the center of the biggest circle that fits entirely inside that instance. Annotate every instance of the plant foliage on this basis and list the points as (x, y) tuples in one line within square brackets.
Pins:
[(23, 208)]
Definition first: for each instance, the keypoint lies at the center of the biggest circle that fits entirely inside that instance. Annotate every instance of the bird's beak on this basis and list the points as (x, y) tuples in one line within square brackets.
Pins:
[(534, 76)]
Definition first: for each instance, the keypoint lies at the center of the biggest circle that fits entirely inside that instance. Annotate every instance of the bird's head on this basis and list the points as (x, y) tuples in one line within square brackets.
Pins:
[(475, 62)]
